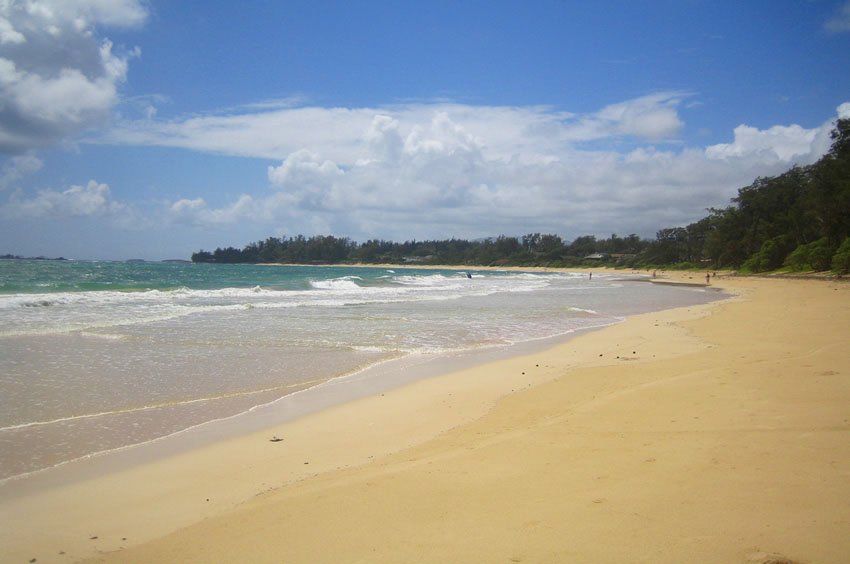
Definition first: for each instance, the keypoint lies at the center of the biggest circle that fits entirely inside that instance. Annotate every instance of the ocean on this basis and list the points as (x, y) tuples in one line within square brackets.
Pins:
[(97, 356)]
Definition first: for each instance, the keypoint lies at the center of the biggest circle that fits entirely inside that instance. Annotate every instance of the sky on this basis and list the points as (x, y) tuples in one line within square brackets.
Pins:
[(155, 128)]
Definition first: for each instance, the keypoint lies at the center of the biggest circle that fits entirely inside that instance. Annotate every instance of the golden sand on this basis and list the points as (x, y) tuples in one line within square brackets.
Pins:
[(717, 433)]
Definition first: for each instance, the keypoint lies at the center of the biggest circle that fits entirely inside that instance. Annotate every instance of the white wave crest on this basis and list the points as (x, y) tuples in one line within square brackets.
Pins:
[(413, 280), (344, 283), (578, 309)]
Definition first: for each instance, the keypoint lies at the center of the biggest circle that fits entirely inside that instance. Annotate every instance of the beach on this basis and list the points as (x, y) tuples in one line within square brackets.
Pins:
[(710, 433), (96, 357)]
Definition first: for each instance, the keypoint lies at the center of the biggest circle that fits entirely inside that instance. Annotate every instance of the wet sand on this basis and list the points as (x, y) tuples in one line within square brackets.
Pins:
[(716, 433)]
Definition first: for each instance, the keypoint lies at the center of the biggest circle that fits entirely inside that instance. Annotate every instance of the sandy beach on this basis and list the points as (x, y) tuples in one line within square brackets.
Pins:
[(715, 433)]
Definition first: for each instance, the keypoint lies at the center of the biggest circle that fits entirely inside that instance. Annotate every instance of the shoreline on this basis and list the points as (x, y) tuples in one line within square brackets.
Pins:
[(392, 438), (184, 452), (370, 379), (125, 463), (446, 361), (34, 443)]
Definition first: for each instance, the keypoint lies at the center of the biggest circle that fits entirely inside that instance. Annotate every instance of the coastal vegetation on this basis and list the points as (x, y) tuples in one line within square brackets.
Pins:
[(796, 221)]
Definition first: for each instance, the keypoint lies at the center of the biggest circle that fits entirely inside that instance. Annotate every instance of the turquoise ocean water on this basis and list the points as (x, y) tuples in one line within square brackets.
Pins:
[(95, 356)]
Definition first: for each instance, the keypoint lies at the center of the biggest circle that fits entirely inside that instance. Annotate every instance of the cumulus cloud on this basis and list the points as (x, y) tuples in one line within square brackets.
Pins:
[(434, 170), (304, 170), (57, 77), (780, 143), (840, 22), (430, 166), (93, 199)]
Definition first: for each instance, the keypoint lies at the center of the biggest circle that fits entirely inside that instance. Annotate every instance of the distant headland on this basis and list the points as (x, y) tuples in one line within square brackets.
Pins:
[(18, 257)]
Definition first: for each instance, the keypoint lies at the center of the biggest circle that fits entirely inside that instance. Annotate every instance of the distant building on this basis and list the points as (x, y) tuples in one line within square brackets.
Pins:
[(596, 256)]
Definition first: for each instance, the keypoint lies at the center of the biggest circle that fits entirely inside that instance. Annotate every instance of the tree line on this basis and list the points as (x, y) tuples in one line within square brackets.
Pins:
[(798, 220), (529, 250)]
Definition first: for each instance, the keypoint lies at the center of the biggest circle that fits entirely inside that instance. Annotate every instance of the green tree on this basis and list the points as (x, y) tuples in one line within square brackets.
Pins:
[(829, 193), (582, 246), (770, 256)]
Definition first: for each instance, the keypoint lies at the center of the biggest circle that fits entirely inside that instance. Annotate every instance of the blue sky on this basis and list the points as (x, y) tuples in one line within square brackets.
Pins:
[(151, 129)]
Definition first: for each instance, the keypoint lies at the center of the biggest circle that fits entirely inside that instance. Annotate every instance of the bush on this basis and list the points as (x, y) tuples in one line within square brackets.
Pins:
[(812, 256), (770, 256), (841, 258), (821, 254), (798, 260)]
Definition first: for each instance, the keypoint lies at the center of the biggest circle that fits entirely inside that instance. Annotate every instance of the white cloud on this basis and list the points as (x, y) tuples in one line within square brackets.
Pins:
[(16, 168), (8, 33), (196, 212), (652, 117), (428, 167), (435, 170), (781, 143), (83, 14), (93, 199), (338, 133), (787, 145), (841, 21), (304, 170), (57, 78)]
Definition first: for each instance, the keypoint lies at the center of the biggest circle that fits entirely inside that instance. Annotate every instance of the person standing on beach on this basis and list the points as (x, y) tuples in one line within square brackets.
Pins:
[(707, 278)]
